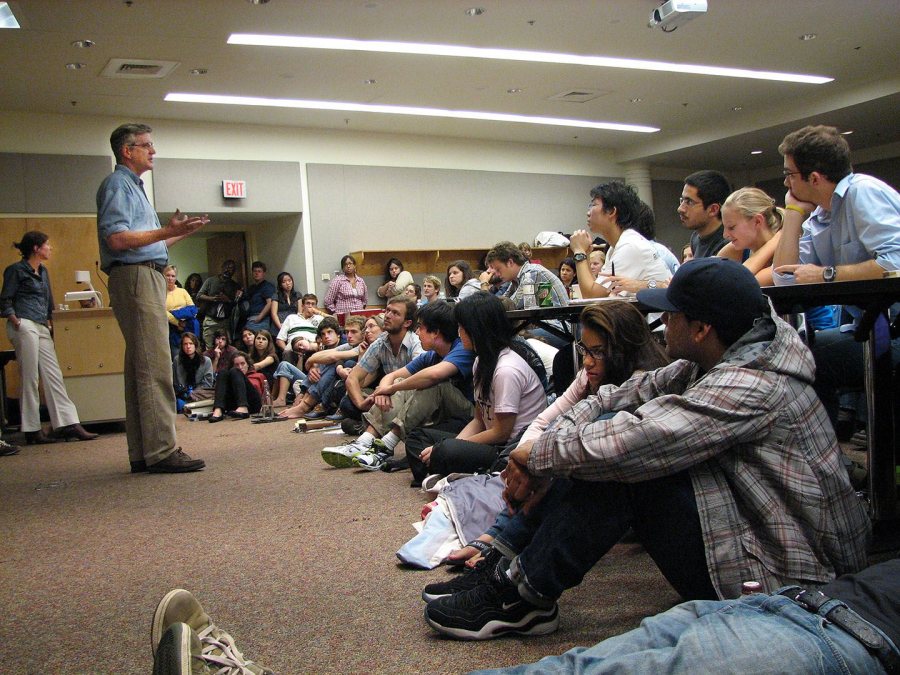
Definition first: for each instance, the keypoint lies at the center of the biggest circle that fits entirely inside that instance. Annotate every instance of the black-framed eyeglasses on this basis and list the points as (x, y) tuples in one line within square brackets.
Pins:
[(146, 146), (596, 353), (687, 201), (788, 174)]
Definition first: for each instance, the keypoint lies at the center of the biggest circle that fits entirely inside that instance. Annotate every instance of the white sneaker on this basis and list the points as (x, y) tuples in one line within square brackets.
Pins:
[(341, 456)]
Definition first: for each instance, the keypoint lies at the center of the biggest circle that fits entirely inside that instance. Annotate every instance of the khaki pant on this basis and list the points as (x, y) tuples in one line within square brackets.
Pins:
[(419, 407), (138, 298)]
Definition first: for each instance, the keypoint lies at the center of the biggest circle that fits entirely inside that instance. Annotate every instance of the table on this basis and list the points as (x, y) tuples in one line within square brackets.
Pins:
[(874, 297)]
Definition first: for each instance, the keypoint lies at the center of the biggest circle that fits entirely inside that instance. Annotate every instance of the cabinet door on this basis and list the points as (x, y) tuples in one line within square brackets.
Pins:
[(89, 342)]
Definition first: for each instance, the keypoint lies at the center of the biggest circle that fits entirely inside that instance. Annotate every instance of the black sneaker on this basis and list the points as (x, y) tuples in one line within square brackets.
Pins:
[(353, 427), (491, 609), (396, 464), (469, 578)]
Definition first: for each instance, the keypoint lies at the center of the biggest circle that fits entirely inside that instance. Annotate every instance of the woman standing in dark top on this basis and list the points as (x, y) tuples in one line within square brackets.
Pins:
[(27, 304)]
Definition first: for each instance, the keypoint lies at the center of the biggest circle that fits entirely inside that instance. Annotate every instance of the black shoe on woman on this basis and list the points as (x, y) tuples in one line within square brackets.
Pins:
[(212, 419), (37, 438)]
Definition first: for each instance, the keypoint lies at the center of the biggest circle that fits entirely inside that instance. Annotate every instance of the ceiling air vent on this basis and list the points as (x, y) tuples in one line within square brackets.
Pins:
[(578, 95), (138, 68)]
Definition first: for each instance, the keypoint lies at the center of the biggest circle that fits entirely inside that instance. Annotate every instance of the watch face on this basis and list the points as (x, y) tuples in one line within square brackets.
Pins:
[(578, 257)]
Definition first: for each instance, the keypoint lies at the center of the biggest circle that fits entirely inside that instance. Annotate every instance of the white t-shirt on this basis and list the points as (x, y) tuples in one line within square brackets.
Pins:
[(514, 389), (295, 325), (634, 258)]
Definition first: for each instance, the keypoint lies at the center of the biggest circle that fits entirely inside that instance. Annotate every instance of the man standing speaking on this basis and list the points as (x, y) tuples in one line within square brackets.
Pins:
[(133, 251)]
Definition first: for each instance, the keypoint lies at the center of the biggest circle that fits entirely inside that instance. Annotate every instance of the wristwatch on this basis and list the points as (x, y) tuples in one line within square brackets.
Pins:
[(578, 257), (651, 283), (829, 274)]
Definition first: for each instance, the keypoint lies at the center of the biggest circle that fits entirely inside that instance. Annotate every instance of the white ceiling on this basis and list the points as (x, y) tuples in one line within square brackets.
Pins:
[(857, 45)]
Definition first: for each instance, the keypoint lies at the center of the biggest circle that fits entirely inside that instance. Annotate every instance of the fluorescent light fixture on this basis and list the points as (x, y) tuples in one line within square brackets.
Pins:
[(512, 55), (400, 110), (7, 18)]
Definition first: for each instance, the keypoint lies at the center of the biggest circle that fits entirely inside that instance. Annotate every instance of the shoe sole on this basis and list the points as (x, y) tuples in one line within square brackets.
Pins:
[(173, 657), (428, 597), (537, 622), (338, 460), (175, 469)]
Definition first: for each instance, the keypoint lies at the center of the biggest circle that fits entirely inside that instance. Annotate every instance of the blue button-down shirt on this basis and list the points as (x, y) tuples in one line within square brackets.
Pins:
[(26, 294), (122, 205)]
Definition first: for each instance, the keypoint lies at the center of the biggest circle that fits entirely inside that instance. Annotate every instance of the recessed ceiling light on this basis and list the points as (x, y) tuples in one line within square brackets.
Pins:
[(369, 81), (7, 18), (806, 37), (636, 99), (400, 110), (75, 66), (258, 2), (513, 55), (475, 11), (198, 71), (83, 44), (514, 90), (756, 152), (737, 108), (846, 133)]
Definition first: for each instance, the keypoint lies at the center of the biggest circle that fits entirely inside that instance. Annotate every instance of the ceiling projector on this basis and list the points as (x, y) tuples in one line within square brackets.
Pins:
[(672, 14)]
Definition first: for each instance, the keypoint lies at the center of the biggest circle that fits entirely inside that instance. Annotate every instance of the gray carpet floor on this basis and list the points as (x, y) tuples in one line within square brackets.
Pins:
[(294, 558)]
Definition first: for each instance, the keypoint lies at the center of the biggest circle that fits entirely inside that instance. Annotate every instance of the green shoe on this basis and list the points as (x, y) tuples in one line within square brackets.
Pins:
[(217, 647), (179, 652)]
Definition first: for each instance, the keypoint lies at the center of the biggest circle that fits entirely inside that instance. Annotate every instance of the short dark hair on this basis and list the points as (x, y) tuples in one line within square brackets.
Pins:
[(712, 187), (645, 223), (221, 332), (309, 296), (124, 135), (29, 241), (346, 258), (818, 148), (328, 322), (621, 197), (506, 250), (260, 264), (438, 316), (410, 306)]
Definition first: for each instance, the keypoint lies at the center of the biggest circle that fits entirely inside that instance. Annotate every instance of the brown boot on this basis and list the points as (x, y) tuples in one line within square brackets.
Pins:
[(37, 438), (74, 432)]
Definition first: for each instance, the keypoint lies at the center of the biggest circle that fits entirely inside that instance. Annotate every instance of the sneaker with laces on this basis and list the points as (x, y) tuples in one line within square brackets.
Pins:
[(490, 609), (469, 578), (341, 456), (8, 448), (375, 458), (179, 652), (217, 648)]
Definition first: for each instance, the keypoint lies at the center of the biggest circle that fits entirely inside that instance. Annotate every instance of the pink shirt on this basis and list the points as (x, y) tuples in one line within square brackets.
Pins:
[(514, 389), (343, 298)]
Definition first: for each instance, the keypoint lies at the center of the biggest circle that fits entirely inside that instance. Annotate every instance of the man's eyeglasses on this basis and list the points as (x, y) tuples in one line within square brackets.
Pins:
[(596, 353), (788, 174), (687, 201), (146, 145)]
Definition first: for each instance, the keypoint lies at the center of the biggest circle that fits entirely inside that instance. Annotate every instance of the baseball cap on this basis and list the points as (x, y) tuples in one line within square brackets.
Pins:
[(716, 291)]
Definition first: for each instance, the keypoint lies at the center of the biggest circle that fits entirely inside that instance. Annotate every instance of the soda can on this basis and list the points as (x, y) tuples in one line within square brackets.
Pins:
[(545, 294)]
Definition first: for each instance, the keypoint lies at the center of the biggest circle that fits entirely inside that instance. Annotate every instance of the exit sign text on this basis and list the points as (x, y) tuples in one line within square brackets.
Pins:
[(234, 189)]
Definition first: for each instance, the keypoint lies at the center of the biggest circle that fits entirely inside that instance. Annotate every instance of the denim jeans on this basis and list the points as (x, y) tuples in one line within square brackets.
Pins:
[(327, 375), (290, 371), (592, 516), (513, 532), (754, 634)]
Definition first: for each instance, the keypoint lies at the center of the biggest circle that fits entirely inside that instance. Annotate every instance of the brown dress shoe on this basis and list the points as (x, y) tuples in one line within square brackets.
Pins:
[(74, 432), (177, 462)]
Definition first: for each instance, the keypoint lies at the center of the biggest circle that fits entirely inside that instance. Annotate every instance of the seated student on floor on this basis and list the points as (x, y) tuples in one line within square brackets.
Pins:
[(461, 280), (722, 463), (239, 391), (263, 356), (433, 388), (285, 302), (191, 371), (508, 396), (413, 291), (338, 397), (221, 352), (260, 297), (247, 340), (321, 366), (615, 344), (431, 290), (302, 324), (396, 279)]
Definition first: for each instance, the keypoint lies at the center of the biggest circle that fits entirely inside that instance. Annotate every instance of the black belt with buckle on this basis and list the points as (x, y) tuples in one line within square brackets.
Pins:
[(849, 621), (159, 267)]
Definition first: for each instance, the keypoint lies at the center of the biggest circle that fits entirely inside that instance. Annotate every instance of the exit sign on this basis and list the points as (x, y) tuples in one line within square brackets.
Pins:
[(234, 189)]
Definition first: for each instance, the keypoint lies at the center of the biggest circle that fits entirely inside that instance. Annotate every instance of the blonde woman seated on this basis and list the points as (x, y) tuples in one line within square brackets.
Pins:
[(180, 310), (753, 230)]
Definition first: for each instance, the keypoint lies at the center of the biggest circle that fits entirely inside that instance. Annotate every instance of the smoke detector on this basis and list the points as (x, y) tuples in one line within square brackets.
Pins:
[(138, 68)]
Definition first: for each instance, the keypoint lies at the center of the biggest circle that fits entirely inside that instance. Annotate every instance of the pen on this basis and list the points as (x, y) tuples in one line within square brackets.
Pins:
[(614, 269)]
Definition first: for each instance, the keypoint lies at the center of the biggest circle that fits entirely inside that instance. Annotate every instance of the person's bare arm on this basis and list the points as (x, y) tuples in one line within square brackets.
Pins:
[(179, 226)]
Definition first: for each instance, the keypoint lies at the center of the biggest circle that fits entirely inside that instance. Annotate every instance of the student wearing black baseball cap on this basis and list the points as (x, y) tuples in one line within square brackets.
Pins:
[(723, 463)]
